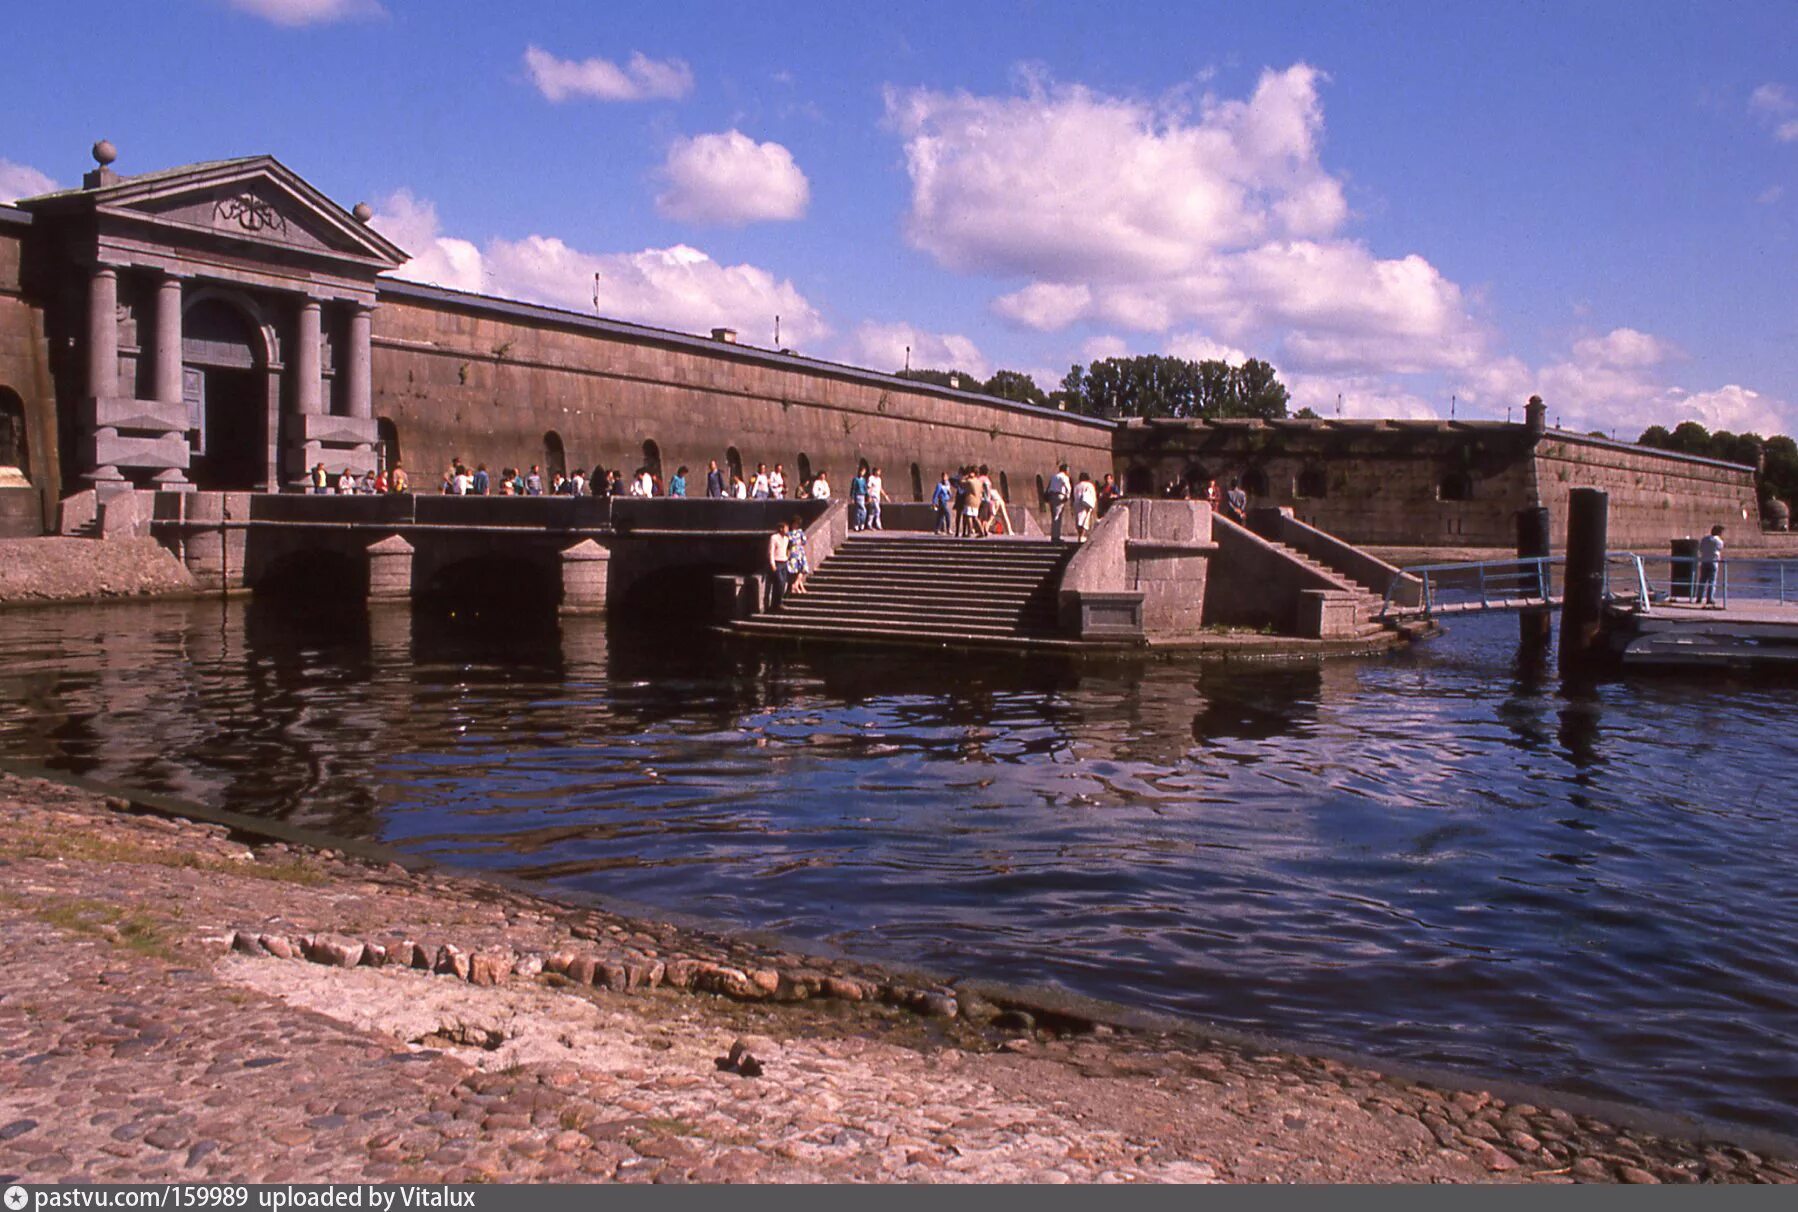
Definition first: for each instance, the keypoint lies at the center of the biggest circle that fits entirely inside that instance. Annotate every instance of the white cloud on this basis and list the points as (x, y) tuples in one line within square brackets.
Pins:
[(1097, 349), (1623, 348), (1197, 347), (1152, 216), (309, 12), (1775, 105), (22, 181), (1064, 183), (680, 287), (1772, 99), (1045, 306), (882, 346), (1770, 195), (1358, 396), (437, 259), (730, 179), (641, 79), (1618, 382)]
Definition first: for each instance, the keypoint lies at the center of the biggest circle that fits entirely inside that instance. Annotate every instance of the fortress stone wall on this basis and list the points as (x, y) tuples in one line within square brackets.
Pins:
[(1438, 483), (512, 384), (225, 326)]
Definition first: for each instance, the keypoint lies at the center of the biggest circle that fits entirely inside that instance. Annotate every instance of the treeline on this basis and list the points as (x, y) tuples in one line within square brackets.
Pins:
[(1778, 479), (1150, 385)]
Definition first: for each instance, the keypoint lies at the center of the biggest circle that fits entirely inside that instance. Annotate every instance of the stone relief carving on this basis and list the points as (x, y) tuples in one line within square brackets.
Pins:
[(250, 213)]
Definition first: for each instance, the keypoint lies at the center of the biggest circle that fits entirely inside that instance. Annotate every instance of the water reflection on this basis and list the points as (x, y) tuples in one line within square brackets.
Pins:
[(1446, 855)]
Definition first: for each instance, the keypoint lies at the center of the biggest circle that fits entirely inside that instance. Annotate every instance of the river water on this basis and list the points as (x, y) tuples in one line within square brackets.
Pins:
[(1440, 855)]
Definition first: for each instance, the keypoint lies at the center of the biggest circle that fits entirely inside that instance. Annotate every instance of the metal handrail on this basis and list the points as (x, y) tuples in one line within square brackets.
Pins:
[(1522, 581), (1497, 584)]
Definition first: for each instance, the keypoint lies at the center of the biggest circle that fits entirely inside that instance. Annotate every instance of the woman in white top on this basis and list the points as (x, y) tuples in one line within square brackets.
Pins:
[(820, 488), (1086, 506), (738, 490), (777, 482)]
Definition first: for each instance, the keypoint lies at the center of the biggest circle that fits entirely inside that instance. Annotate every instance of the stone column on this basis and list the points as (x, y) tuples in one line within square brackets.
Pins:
[(166, 353), (103, 333), (165, 358), (586, 572), (103, 369), (358, 394), (307, 362)]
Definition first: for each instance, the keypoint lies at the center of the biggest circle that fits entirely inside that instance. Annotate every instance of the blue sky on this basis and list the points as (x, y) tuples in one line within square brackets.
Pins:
[(1395, 204)]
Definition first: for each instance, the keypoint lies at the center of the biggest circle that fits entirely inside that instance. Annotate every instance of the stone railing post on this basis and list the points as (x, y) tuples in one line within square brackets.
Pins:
[(390, 570), (586, 572)]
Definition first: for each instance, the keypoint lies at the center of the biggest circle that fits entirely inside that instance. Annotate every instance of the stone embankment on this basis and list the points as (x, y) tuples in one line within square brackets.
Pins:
[(183, 1003), (38, 571)]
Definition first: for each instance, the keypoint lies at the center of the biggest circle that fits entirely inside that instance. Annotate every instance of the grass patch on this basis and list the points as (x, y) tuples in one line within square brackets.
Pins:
[(135, 932), (81, 848)]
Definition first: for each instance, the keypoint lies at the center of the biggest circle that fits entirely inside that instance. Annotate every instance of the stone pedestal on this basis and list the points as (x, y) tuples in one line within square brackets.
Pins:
[(586, 572), (390, 570), (1326, 614)]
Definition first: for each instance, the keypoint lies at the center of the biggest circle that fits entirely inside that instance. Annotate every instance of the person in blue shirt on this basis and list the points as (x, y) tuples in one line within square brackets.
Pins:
[(677, 487), (943, 499), (858, 499), (481, 481)]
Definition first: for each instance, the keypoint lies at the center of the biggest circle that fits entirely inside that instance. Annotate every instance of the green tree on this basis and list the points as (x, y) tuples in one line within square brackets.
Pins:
[(1689, 437), (1259, 392), (959, 380), (1015, 385), (1154, 385)]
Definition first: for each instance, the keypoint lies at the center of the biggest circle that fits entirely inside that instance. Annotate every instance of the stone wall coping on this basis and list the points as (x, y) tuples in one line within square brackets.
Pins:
[(1167, 547), (13, 216), (541, 314)]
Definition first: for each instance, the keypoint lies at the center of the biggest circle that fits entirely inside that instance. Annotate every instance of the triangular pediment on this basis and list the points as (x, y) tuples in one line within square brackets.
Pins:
[(256, 199)]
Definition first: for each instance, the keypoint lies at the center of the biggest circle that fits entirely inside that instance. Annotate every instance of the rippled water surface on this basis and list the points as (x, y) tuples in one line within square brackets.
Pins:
[(1440, 855)]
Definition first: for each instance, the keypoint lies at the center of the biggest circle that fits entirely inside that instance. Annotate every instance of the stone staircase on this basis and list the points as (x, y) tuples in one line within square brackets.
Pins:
[(920, 588), (1368, 602)]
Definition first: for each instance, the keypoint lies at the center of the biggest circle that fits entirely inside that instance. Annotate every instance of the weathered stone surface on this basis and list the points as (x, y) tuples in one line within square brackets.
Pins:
[(227, 1065)]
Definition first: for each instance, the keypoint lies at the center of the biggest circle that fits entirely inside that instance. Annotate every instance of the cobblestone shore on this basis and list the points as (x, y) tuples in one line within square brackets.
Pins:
[(182, 1004)]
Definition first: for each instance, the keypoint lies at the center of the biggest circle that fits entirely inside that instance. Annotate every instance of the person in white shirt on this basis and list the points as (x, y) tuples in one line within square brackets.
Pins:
[(1059, 490), (759, 489), (464, 483), (739, 491), (778, 550), (777, 482), (1710, 555), (1086, 506), (821, 488), (876, 494)]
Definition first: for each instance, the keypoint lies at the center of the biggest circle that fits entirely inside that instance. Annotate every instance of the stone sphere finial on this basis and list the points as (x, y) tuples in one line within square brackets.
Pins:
[(105, 153), (363, 212)]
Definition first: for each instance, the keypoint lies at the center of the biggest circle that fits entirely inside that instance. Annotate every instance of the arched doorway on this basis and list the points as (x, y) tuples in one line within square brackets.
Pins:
[(652, 458), (224, 381), (733, 464), (1139, 481), (917, 482), (14, 451), (387, 443), (805, 468), (555, 458)]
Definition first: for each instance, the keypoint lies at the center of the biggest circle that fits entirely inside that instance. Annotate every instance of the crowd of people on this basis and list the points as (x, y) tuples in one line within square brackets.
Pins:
[(967, 503)]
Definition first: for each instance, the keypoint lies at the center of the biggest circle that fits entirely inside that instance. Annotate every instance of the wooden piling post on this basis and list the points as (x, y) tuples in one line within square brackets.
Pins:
[(1582, 603), (1535, 627)]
